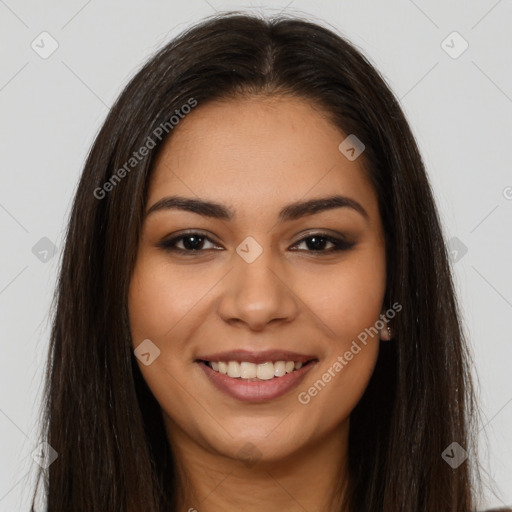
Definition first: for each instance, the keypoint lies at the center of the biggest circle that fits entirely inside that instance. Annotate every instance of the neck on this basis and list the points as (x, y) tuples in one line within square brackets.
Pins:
[(313, 478)]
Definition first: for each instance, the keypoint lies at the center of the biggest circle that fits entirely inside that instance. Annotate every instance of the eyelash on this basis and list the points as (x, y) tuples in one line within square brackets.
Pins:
[(339, 244)]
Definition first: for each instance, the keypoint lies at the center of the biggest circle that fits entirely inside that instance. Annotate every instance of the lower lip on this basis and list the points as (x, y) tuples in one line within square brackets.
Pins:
[(256, 391)]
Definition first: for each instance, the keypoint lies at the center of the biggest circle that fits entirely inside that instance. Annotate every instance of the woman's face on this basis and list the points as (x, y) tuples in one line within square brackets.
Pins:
[(257, 282)]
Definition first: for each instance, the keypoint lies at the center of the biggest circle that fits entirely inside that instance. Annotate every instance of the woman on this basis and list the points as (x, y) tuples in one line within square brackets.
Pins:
[(255, 307)]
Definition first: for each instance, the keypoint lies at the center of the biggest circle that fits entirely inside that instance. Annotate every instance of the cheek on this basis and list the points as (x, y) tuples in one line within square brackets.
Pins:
[(160, 298), (350, 299), (349, 303), (161, 309)]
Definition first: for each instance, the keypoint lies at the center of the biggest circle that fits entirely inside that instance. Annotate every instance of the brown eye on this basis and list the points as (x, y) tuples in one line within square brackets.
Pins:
[(317, 242), (192, 242)]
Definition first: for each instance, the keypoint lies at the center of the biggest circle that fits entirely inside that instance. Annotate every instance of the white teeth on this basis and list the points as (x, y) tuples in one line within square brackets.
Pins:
[(233, 369), (248, 370), (279, 368), (263, 371)]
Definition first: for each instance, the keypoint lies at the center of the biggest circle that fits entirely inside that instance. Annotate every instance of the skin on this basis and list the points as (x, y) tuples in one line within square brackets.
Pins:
[(256, 155)]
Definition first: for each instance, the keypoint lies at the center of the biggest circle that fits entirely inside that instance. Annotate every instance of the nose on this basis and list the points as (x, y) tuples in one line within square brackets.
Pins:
[(257, 293)]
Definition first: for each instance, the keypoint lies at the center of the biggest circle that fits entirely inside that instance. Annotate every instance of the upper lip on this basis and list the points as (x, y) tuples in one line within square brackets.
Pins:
[(256, 357)]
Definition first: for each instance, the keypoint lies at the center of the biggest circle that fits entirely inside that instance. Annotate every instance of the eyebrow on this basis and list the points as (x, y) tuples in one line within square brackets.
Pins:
[(290, 212)]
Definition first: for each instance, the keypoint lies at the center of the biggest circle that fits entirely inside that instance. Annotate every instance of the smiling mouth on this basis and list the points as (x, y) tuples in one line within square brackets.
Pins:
[(252, 372)]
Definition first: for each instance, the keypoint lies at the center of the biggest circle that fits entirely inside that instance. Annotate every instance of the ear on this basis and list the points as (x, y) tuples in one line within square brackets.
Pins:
[(386, 331)]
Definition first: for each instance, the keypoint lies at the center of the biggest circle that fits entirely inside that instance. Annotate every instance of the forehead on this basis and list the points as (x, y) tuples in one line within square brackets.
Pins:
[(258, 152)]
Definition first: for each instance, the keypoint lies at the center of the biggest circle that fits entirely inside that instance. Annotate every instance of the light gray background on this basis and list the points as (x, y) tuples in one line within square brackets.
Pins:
[(460, 110)]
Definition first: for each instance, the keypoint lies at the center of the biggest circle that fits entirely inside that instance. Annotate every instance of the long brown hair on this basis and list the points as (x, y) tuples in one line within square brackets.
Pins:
[(99, 415)]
